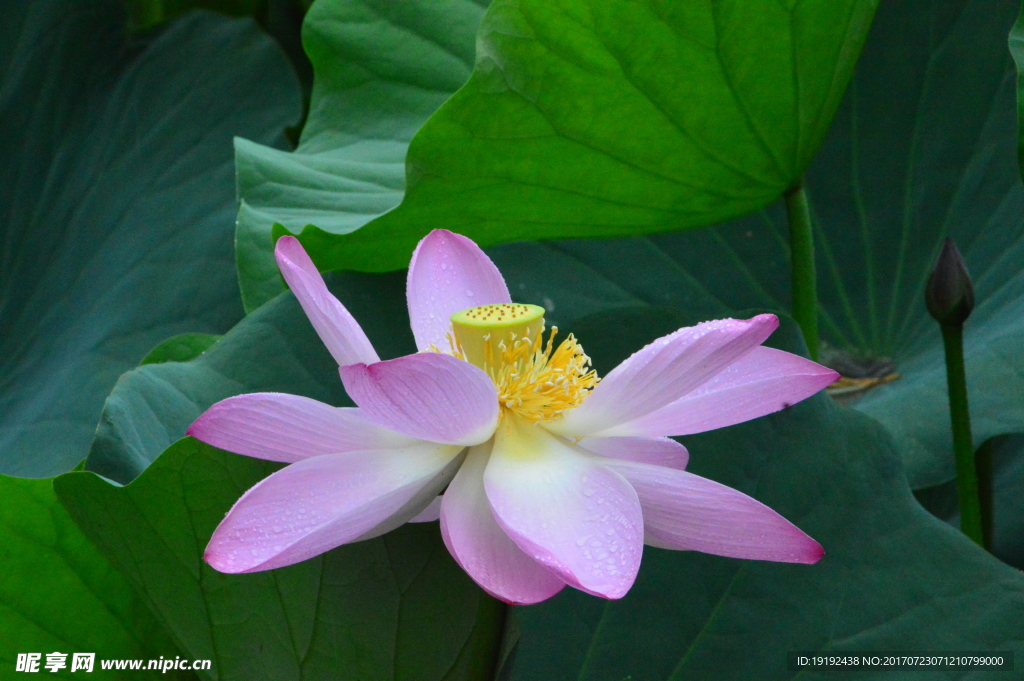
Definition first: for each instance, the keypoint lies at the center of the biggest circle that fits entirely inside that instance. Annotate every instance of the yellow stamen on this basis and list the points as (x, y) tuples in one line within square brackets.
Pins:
[(535, 381)]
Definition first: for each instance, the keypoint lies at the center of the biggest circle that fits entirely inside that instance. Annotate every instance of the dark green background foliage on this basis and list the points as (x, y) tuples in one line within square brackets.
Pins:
[(578, 119), (116, 202)]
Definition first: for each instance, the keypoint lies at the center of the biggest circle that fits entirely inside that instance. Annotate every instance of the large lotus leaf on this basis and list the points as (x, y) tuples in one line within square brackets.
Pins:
[(381, 68), (59, 593), (893, 576), (618, 117), (392, 608), (923, 147), (116, 202), (281, 19)]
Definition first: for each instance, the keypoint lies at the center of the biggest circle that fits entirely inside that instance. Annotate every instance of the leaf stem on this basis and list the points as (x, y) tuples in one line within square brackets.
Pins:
[(983, 460), (803, 280), (963, 447)]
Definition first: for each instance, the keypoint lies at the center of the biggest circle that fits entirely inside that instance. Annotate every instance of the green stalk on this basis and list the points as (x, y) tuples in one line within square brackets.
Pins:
[(983, 460), (803, 280), (963, 448)]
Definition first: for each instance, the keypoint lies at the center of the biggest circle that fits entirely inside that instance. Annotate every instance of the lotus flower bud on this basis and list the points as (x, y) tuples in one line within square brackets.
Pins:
[(950, 292)]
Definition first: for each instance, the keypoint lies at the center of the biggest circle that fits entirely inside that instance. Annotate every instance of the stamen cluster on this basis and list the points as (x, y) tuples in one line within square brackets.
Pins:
[(539, 382)]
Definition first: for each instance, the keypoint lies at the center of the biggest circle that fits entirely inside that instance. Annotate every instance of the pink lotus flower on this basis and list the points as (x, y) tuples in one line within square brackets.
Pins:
[(549, 476)]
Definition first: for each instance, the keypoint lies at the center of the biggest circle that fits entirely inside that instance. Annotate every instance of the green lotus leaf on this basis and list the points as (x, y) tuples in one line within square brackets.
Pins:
[(615, 117), (117, 203), (180, 348), (381, 69), (60, 594)]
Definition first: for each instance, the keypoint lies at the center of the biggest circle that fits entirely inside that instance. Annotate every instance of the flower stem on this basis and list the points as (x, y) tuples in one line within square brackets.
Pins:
[(963, 448), (983, 460), (803, 279)]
